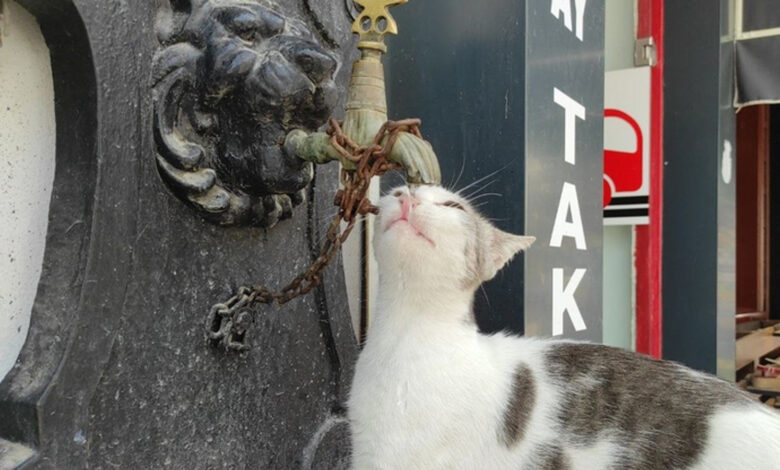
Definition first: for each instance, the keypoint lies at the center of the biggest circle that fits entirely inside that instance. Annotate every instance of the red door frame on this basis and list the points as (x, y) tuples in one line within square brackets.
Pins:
[(649, 238)]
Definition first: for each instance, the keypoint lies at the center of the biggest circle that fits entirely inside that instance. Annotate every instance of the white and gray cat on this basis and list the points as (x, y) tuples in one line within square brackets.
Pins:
[(431, 392)]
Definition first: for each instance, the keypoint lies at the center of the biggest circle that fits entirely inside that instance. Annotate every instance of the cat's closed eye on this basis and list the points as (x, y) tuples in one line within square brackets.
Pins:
[(454, 204)]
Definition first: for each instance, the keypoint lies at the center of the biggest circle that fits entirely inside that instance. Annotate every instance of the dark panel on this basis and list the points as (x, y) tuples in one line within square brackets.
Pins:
[(460, 66), (774, 214), (696, 199), (690, 215)]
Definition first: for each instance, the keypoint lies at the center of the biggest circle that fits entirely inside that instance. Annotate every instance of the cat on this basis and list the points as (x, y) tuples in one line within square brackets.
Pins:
[(432, 392)]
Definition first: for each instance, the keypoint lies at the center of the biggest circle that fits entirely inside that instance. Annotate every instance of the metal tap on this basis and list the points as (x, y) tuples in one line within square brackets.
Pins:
[(366, 109)]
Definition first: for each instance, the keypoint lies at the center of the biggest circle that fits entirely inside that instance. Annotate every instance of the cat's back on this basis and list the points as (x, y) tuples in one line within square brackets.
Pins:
[(654, 414), (459, 399)]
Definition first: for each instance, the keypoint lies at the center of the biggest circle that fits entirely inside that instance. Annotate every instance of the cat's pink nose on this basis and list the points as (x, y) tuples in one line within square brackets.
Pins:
[(408, 202)]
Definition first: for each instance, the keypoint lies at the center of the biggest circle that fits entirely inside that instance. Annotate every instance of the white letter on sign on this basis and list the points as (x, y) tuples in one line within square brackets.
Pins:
[(563, 301), (562, 227), (564, 6), (573, 110), (579, 5)]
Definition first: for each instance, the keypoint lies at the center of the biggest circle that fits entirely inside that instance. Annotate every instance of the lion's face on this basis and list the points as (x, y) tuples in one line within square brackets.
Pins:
[(273, 66), (263, 76), (256, 76)]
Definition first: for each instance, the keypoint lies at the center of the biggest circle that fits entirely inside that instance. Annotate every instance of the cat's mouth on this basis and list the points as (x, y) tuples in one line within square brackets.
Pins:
[(405, 222)]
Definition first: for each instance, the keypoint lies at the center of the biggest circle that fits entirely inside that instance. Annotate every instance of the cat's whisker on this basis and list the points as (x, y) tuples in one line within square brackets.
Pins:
[(480, 196), (462, 193), (474, 183), (489, 175), (323, 233), (479, 190), (477, 206), (460, 173), (471, 195), (397, 175), (325, 224), (326, 217), (484, 293)]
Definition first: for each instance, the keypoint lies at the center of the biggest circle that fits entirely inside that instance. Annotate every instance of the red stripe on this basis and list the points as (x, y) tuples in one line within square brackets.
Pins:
[(649, 238)]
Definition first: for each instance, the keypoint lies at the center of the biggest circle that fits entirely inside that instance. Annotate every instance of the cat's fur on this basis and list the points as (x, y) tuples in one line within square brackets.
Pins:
[(431, 392)]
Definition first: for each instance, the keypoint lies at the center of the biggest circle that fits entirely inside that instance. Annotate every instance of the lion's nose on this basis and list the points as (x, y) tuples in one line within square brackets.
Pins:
[(318, 65)]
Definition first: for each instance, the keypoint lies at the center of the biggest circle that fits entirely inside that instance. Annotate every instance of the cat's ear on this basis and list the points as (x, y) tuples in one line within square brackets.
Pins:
[(499, 248)]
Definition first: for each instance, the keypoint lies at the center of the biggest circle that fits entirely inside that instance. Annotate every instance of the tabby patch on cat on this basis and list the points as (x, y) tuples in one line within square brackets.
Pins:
[(432, 392)]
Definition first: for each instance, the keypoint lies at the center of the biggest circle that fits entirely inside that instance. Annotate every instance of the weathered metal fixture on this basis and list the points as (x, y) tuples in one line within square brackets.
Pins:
[(645, 52), (366, 144), (237, 90), (366, 109), (231, 80)]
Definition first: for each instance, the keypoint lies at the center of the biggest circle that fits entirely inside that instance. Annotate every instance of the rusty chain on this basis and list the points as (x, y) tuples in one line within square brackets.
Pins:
[(229, 321)]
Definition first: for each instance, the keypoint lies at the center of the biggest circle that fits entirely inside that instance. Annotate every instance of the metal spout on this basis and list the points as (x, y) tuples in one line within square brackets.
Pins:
[(366, 109)]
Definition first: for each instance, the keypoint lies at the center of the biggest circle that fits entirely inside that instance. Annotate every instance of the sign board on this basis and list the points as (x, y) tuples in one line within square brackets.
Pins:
[(564, 146), (626, 182)]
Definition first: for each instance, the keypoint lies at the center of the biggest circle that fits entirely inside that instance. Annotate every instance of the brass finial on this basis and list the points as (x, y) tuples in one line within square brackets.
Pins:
[(374, 22)]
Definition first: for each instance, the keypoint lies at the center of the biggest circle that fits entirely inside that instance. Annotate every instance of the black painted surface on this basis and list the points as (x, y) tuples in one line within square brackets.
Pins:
[(116, 372), (774, 215), (460, 67), (692, 171)]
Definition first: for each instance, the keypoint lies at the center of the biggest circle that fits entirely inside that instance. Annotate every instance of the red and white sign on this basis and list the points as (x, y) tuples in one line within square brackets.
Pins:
[(626, 179)]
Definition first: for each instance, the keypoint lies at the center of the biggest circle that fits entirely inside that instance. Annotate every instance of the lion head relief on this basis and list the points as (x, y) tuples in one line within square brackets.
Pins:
[(232, 79)]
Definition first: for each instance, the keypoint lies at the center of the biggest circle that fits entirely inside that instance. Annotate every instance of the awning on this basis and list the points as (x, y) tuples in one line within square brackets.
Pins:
[(757, 25)]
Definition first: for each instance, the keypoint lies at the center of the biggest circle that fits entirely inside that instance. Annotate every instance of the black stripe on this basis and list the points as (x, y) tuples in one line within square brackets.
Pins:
[(625, 213), (622, 201), (622, 208)]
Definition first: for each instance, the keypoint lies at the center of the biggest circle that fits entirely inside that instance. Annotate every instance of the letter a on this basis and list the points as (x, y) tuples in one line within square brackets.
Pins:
[(562, 227), (563, 301)]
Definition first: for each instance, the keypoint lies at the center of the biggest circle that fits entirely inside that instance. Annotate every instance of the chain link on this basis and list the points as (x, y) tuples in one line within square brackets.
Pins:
[(229, 321)]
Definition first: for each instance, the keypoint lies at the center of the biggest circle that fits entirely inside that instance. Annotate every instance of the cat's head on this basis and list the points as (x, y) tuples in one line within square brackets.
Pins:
[(434, 238)]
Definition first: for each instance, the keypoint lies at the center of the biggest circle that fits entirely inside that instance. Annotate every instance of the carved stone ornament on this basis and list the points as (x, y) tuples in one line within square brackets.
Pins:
[(231, 80)]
